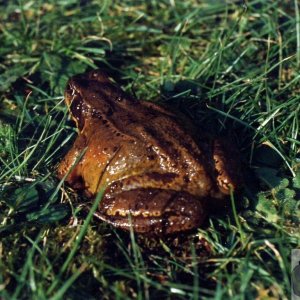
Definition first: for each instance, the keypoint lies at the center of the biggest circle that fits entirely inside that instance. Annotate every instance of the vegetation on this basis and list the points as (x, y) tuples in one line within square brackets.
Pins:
[(231, 66)]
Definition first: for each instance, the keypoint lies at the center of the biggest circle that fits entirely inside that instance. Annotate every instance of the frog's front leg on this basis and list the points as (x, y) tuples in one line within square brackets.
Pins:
[(155, 211), (71, 166)]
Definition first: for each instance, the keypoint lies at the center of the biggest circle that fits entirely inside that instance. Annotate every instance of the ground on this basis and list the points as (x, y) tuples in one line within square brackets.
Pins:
[(232, 66)]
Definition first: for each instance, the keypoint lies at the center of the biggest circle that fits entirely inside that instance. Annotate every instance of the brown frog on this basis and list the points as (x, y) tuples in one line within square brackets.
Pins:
[(158, 179)]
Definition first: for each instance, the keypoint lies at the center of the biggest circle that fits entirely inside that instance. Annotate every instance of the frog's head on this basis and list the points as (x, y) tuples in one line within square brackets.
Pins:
[(92, 93)]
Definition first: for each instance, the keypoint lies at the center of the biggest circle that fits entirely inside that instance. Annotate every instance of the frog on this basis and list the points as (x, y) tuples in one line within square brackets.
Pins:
[(157, 177)]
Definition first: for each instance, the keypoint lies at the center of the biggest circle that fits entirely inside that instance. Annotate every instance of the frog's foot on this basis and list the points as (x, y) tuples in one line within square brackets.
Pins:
[(227, 164), (155, 211)]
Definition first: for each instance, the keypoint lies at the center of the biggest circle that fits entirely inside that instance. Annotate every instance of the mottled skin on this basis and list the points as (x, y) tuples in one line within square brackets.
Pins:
[(158, 178)]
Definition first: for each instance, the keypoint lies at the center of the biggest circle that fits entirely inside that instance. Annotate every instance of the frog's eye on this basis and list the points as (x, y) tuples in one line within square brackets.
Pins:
[(76, 109)]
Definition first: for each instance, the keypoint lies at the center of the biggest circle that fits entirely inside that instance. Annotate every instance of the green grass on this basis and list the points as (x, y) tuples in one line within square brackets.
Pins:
[(232, 67)]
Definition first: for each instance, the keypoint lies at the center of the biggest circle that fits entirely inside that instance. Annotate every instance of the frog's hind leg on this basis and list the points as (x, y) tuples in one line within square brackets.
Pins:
[(227, 165), (153, 211)]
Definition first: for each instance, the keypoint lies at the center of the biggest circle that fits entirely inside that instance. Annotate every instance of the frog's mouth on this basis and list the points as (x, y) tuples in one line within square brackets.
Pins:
[(75, 103)]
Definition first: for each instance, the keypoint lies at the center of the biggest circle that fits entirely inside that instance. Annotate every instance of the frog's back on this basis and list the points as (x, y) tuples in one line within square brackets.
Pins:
[(147, 141)]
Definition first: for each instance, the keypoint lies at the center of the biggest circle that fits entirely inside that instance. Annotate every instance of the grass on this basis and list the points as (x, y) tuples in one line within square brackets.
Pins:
[(232, 66)]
